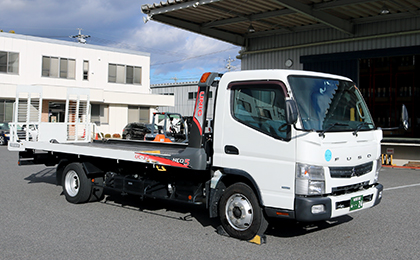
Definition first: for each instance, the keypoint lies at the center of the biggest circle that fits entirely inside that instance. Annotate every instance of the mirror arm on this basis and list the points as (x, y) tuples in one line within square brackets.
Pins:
[(301, 129), (404, 119)]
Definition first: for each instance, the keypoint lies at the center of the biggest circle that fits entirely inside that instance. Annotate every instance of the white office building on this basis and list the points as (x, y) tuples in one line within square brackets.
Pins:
[(117, 79)]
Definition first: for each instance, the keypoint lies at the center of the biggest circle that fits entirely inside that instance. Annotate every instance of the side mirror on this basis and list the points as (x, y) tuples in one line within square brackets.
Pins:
[(291, 112), (404, 117)]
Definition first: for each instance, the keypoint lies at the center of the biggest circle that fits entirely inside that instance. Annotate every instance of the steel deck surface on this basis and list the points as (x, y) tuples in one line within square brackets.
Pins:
[(136, 146)]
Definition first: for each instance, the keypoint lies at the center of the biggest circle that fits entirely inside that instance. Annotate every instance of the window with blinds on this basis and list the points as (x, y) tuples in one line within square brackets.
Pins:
[(99, 114), (56, 67), (9, 62), (138, 114), (124, 74)]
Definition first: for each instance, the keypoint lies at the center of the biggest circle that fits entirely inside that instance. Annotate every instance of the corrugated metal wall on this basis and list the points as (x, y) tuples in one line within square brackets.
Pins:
[(183, 104), (403, 30), (328, 50)]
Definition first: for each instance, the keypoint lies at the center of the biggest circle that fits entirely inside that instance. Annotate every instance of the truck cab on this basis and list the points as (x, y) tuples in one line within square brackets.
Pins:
[(324, 165)]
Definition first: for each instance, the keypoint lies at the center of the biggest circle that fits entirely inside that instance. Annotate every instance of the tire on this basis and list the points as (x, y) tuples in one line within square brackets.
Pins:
[(240, 213), (2, 140), (76, 186), (128, 137)]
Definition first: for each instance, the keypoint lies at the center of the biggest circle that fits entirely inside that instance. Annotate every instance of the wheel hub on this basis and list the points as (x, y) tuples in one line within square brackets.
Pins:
[(239, 212), (71, 183)]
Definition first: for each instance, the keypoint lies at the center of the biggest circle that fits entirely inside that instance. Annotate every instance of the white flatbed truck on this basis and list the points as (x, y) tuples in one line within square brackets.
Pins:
[(285, 144)]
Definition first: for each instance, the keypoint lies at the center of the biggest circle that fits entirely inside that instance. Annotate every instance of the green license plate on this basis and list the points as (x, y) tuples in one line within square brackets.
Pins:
[(356, 202)]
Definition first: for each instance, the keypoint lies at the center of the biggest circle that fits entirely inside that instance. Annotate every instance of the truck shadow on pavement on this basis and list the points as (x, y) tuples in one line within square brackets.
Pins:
[(46, 175), (188, 212), (292, 228), (168, 209), (163, 208)]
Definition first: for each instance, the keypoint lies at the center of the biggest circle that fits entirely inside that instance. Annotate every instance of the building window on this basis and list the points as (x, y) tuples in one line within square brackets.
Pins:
[(124, 74), (138, 114), (71, 71), (85, 70), (9, 62), (63, 68), (129, 75), (6, 111), (55, 67), (46, 64), (99, 114), (120, 73), (112, 73), (193, 95), (137, 75)]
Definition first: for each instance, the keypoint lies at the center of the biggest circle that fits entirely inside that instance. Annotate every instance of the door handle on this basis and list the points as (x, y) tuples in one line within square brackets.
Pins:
[(230, 149)]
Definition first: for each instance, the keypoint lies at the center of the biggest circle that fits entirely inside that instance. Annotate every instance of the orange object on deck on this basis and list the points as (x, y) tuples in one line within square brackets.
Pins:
[(162, 138)]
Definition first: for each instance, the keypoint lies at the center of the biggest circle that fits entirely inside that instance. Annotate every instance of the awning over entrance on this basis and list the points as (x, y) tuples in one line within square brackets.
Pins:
[(234, 21)]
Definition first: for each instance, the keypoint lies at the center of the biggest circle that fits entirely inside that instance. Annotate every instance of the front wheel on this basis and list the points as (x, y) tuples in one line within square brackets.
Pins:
[(240, 213), (76, 185)]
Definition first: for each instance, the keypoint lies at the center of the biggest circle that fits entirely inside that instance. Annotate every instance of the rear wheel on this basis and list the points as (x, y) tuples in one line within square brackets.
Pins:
[(76, 186), (128, 137), (240, 213)]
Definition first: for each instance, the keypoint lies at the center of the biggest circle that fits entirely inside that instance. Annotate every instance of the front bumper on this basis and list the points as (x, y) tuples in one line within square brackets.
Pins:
[(335, 206)]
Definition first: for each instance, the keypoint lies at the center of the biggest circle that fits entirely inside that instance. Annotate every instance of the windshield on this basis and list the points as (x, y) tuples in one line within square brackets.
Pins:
[(330, 105)]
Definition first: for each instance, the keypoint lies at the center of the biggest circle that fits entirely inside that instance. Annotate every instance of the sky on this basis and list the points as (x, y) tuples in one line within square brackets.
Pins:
[(175, 54)]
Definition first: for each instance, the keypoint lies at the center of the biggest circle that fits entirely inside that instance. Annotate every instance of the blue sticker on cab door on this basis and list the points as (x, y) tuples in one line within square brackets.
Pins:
[(328, 155)]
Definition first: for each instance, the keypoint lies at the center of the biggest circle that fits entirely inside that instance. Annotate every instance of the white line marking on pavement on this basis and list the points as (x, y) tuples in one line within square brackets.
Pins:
[(402, 187)]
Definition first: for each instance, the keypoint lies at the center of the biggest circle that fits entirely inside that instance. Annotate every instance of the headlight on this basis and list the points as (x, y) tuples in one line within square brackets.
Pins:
[(378, 168), (6, 135), (310, 179)]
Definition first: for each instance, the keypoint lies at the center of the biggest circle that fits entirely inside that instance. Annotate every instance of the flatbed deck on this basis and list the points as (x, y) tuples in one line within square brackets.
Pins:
[(137, 146), (125, 150)]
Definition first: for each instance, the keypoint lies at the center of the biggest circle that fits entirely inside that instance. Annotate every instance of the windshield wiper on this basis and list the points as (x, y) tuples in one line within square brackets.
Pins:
[(322, 134), (359, 126)]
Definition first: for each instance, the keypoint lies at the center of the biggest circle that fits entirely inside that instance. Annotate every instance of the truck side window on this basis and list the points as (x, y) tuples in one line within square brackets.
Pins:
[(261, 106)]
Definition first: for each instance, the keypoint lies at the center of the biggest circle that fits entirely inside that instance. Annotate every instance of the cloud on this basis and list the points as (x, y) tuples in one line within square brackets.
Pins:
[(47, 17), (119, 24), (175, 50)]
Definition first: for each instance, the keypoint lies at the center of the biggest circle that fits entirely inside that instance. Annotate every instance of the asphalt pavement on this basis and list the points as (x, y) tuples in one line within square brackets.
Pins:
[(36, 222)]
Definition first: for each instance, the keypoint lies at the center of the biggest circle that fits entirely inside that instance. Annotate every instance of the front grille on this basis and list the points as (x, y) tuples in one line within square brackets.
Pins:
[(350, 188), (352, 171)]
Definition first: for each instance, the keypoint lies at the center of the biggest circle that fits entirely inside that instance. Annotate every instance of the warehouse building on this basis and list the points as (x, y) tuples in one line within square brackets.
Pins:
[(375, 43), (184, 94)]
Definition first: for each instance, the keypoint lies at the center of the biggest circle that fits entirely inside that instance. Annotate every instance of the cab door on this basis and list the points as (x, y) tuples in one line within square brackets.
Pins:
[(256, 140)]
